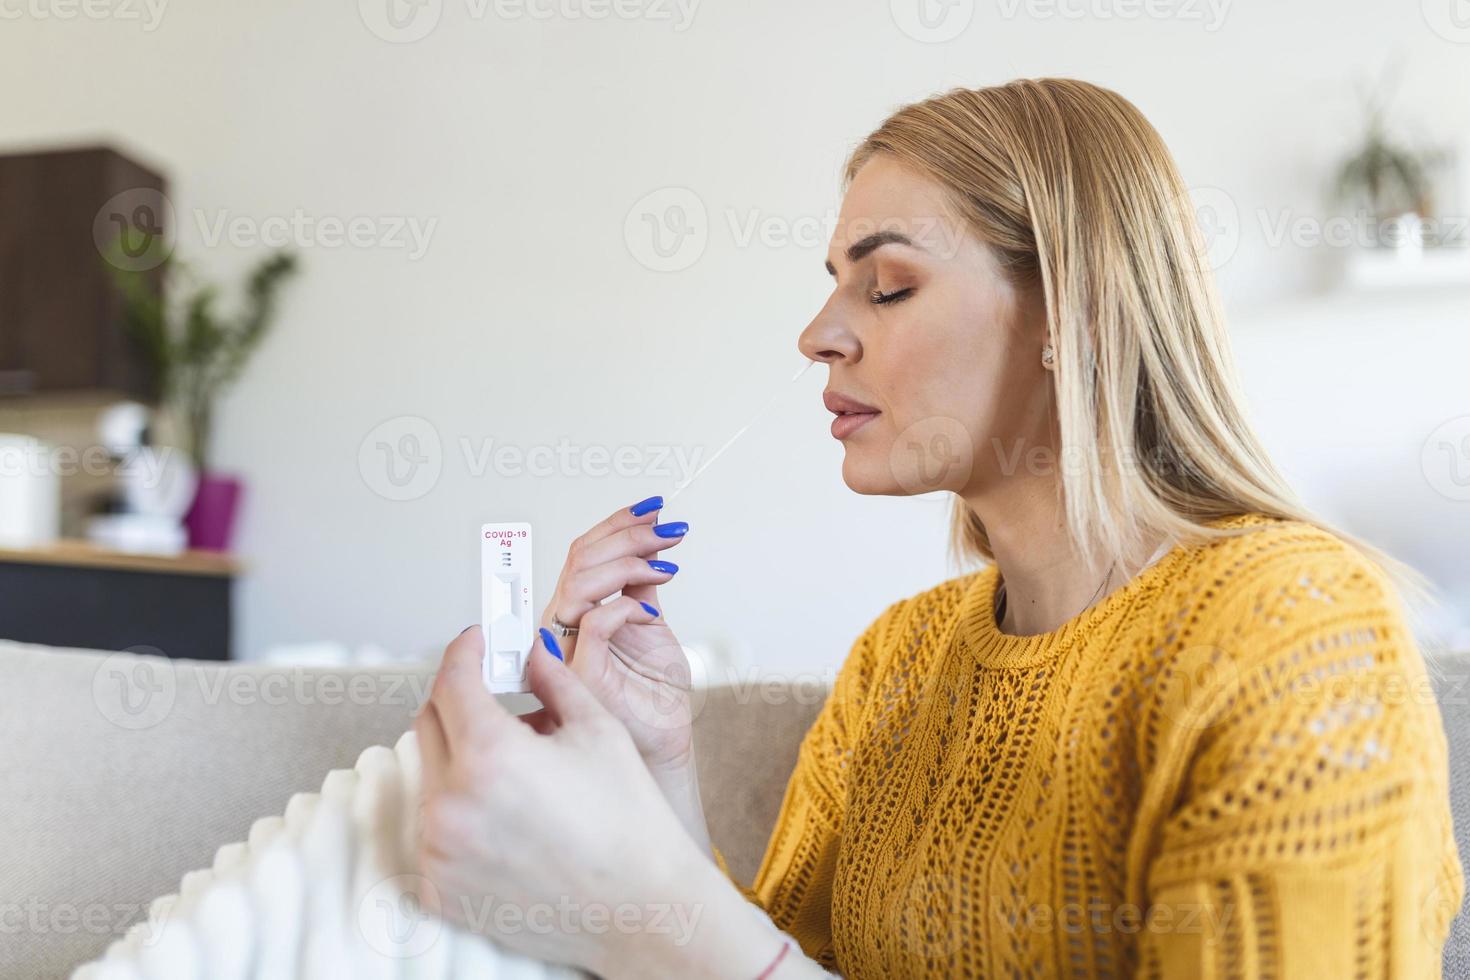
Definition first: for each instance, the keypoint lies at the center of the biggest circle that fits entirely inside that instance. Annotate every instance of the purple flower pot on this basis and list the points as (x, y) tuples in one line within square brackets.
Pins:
[(211, 520)]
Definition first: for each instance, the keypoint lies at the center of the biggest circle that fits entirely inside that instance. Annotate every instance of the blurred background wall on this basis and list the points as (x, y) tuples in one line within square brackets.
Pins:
[(594, 239)]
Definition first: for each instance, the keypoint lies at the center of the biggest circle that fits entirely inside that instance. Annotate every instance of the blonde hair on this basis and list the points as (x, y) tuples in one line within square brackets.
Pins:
[(1075, 193)]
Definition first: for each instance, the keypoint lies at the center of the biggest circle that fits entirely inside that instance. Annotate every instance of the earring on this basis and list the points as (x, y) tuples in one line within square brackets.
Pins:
[(1048, 356)]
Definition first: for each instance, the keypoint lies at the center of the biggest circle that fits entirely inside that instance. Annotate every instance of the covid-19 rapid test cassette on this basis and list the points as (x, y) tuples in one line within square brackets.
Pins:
[(505, 605)]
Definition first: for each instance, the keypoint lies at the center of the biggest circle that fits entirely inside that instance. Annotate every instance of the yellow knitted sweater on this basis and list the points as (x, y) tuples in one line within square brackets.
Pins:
[(1233, 766)]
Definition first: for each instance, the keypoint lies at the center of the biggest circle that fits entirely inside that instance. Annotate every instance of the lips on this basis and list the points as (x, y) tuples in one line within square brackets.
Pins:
[(851, 414)]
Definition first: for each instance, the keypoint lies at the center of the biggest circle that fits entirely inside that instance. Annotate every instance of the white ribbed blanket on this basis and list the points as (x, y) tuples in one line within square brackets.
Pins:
[(322, 892)]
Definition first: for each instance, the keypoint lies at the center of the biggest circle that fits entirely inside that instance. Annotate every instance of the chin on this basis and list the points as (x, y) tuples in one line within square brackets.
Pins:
[(870, 477), (895, 467)]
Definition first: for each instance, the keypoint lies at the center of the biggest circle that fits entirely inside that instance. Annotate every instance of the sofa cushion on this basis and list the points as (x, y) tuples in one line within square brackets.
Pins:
[(745, 741), (122, 772), (1451, 678)]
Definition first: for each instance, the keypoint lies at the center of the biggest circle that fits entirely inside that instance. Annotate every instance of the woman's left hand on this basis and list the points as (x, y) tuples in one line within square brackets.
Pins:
[(543, 834)]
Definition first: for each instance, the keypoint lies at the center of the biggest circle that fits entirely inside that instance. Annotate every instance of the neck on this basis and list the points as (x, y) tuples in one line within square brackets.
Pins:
[(1046, 581)]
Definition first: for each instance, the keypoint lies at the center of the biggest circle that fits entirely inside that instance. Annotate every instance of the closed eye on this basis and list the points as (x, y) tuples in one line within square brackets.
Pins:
[(881, 299)]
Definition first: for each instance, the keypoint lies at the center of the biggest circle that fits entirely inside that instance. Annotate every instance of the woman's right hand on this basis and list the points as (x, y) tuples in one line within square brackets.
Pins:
[(637, 670)]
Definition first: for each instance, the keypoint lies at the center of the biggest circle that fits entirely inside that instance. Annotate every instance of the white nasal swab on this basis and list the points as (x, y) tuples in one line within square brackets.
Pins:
[(505, 582), (803, 370), (741, 431)]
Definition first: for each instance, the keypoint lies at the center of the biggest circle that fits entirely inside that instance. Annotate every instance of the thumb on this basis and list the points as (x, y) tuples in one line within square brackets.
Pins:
[(559, 689)]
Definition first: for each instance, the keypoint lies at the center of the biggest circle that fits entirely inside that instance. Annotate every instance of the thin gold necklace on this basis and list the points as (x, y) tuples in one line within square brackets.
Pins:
[(1000, 597), (1000, 591)]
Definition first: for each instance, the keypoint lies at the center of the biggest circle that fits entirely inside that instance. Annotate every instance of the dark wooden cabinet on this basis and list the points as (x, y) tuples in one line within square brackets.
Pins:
[(74, 594), (61, 325)]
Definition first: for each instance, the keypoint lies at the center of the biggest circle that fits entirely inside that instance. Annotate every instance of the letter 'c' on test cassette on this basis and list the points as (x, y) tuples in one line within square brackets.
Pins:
[(505, 605)]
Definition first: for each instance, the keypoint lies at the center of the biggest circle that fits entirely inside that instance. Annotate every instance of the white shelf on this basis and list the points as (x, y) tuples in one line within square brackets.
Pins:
[(1388, 268)]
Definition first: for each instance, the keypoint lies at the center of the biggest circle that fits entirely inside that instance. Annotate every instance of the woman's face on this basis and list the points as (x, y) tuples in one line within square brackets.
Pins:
[(934, 357)]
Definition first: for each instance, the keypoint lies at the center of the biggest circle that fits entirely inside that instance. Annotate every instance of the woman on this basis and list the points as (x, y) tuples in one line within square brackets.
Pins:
[(1175, 727)]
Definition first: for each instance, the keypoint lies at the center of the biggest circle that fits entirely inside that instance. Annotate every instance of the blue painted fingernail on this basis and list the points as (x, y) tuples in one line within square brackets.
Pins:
[(646, 506), (549, 642), (667, 567), (673, 529), (649, 609)]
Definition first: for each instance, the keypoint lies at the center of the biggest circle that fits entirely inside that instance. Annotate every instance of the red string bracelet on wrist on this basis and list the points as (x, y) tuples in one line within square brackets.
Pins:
[(785, 948)]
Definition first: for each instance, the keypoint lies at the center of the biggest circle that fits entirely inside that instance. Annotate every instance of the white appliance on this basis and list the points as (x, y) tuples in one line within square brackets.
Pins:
[(30, 493), (155, 487)]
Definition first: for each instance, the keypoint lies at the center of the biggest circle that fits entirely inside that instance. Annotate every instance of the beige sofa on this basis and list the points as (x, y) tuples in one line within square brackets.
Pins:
[(117, 775)]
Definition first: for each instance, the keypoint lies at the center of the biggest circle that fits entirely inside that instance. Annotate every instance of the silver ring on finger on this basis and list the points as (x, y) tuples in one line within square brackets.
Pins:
[(562, 629)]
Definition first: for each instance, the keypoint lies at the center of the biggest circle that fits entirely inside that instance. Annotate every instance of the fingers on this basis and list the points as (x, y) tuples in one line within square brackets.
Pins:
[(641, 539), (562, 692), (540, 721), (628, 533), (587, 587), (433, 753), (601, 622), (643, 513), (588, 653), (465, 708)]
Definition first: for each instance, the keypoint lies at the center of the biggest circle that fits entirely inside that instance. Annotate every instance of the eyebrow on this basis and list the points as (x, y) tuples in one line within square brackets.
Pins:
[(862, 248)]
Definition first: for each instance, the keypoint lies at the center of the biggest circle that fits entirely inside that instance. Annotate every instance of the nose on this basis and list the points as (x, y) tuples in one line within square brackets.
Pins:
[(828, 338)]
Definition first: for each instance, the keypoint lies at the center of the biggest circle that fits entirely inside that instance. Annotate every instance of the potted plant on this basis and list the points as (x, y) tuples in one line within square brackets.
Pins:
[(195, 352), (1387, 178)]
